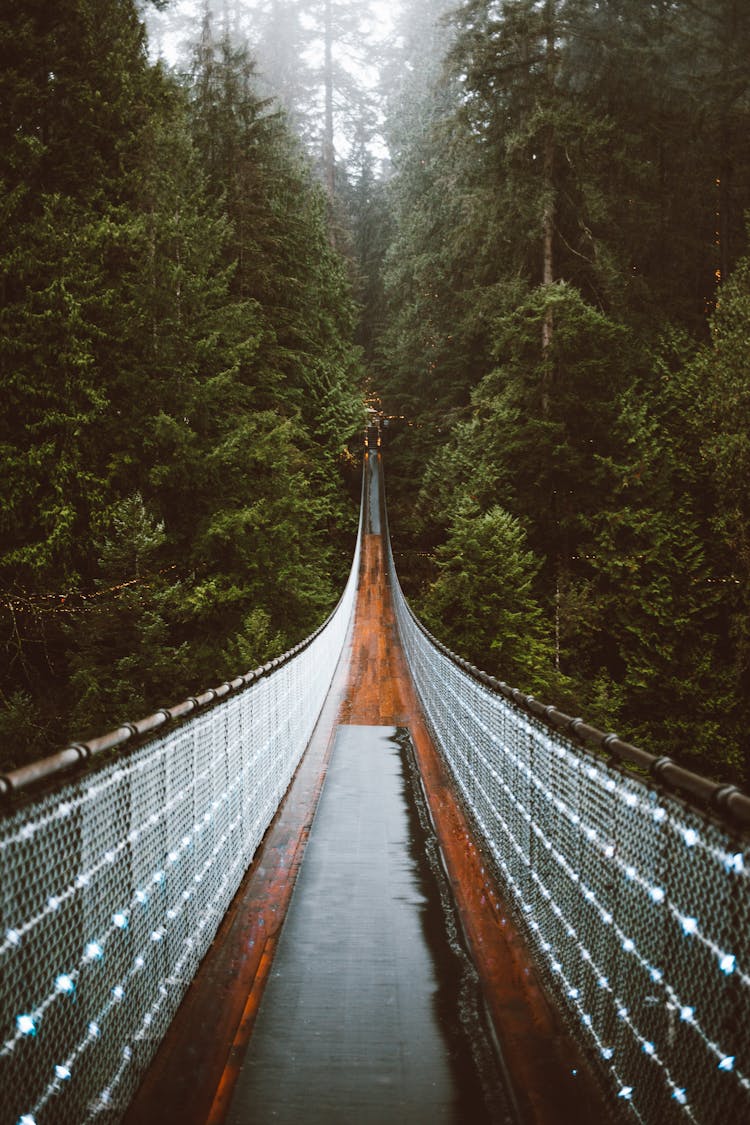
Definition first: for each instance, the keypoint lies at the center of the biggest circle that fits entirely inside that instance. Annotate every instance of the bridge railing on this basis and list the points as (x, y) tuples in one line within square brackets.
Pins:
[(632, 888), (114, 884)]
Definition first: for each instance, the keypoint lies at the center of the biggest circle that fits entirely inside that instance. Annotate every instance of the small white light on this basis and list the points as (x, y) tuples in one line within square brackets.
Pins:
[(573, 993), (727, 963), (628, 945), (120, 920), (607, 1052), (630, 871), (64, 984), (687, 1014), (691, 837), (13, 937), (53, 902), (626, 1092), (735, 862), (680, 1096), (727, 1063), (93, 951), (94, 1030), (139, 962), (659, 815), (27, 1119), (606, 918), (118, 992), (689, 925), (141, 896), (26, 1025), (158, 877), (173, 857), (657, 894), (156, 935), (649, 1048), (603, 982), (82, 881), (657, 975), (609, 851), (127, 1053), (622, 1013), (62, 1072)]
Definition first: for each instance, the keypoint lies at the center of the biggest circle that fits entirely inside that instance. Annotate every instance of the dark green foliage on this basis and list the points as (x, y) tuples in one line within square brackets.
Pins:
[(566, 200), (178, 373), (483, 598)]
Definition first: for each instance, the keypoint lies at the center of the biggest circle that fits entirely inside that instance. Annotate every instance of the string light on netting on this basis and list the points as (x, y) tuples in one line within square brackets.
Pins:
[(25, 1024), (64, 984), (689, 925)]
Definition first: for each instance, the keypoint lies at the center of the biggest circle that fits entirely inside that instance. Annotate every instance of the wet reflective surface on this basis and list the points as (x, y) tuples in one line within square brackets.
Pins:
[(371, 1013), (400, 1036)]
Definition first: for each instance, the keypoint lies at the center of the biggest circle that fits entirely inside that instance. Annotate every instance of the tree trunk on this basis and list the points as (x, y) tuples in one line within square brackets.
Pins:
[(328, 150), (548, 219)]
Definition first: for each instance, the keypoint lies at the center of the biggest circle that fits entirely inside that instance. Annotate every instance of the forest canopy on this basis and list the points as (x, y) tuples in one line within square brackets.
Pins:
[(518, 226), (180, 378)]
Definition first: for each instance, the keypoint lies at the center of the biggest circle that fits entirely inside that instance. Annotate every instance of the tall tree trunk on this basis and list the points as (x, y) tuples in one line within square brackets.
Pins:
[(724, 179), (328, 150), (548, 218)]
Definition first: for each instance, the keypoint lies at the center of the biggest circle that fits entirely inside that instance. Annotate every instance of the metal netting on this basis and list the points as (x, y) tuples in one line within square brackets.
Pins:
[(636, 906), (114, 886)]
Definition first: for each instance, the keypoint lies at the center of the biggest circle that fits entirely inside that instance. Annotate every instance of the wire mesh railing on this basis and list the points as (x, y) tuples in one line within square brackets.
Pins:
[(114, 885), (635, 901)]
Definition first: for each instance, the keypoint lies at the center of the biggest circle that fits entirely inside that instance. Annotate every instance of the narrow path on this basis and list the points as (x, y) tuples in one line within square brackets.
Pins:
[(365, 1017), (198, 1077)]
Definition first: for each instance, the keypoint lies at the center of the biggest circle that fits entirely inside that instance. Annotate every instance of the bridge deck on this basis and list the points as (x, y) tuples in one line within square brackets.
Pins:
[(197, 1076), (368, 1014)]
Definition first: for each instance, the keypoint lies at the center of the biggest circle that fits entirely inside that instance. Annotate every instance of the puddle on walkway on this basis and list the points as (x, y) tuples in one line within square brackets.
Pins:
[(372, 1014)]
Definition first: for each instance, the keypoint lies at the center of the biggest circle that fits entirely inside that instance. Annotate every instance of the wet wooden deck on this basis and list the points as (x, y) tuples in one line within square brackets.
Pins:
[(194, 1076)]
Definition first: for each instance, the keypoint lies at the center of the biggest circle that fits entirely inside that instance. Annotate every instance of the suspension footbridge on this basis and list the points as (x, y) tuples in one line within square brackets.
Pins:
[(369, 882)]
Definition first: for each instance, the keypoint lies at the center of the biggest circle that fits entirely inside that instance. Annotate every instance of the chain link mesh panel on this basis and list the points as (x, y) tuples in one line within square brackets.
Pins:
[(114, 886), (636, 906)]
